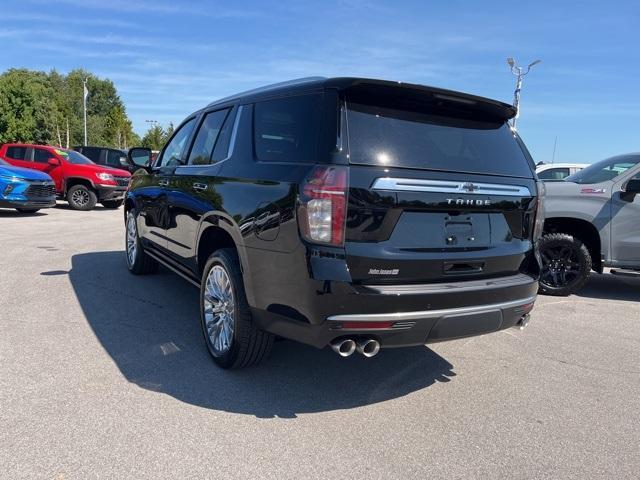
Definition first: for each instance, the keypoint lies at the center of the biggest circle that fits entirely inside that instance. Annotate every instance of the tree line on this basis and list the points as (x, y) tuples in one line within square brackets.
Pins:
[(46, 108)]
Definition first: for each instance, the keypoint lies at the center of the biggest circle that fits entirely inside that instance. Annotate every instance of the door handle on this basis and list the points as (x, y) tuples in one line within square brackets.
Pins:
[(200, 186), (163, 183)]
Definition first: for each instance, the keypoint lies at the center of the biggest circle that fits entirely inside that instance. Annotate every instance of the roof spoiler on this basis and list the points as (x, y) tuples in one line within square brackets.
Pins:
[(419, 94)]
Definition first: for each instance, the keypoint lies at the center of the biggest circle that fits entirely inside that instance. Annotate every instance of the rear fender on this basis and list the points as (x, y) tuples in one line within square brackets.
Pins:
[(228, 224)]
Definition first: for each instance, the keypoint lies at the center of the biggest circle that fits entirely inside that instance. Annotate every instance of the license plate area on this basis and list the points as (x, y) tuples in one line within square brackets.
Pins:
[(467, 230)]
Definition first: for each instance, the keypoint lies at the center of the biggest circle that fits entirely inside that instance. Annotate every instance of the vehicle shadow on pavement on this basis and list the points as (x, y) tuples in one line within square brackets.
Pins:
[(612, 287), (149, 326), (14, 213), (98, 207)]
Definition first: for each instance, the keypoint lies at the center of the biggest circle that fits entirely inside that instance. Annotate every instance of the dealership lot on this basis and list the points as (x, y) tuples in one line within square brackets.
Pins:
[(106, 375)]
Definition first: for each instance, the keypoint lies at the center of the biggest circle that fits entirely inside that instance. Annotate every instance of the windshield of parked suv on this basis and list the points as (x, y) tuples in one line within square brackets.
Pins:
[(604, 170), (74, 157), (387, 137)]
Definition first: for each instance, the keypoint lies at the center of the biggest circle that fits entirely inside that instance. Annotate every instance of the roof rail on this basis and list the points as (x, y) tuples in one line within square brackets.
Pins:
[(273, 86)]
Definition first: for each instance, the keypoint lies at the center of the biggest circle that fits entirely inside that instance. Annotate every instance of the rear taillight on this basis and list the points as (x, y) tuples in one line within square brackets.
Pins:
[(323, 204), (538, 224)]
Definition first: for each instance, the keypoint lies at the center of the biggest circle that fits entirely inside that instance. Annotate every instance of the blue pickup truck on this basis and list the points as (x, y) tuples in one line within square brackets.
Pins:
[(24, 189)]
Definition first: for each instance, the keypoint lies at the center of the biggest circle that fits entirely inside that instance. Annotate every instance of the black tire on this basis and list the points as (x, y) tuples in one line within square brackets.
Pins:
[(249, 345), (141, 263), (566, 264), (81, 197), (112, 203), (27, 211)]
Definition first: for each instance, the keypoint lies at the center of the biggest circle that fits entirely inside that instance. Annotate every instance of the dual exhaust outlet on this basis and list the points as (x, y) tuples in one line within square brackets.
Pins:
[(345, 347)]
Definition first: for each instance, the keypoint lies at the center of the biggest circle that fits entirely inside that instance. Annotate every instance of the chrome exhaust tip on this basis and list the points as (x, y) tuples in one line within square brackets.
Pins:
[(369, 347), (343, 347), (523, 322)]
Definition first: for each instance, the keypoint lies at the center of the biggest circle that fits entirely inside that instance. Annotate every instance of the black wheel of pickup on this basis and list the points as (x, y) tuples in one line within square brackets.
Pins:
[(566, 264)]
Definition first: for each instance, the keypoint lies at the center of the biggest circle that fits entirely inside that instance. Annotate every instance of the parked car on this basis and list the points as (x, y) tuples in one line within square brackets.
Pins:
[(110, 157), (592, 222), (77, 179), (25, 190), (556, 172), (347, 212)]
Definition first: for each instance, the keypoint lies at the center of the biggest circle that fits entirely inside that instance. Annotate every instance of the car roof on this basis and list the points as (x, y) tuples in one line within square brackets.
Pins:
[(32, 145), (547, 166), (307, 84)]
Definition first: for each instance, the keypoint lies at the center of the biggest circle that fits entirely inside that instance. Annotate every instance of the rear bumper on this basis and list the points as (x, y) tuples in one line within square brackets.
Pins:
[(431, 326), (401, 315)]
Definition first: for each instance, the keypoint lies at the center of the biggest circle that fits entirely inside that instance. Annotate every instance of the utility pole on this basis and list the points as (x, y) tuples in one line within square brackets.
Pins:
[(519, 72), (85, 94), (555, 144)]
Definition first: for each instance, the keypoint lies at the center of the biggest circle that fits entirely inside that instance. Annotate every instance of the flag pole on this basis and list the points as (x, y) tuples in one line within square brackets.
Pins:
[(85, 92)]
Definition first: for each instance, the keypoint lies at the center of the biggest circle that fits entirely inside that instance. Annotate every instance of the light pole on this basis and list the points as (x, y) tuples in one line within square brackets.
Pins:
[(85, 94), (519, 72)]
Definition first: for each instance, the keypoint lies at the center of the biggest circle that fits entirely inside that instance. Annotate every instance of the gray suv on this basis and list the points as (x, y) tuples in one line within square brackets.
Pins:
[(592, 222)]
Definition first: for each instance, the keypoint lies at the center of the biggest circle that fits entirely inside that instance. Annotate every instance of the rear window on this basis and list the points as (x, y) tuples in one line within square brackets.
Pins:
[(92, 154), (383, 136), (115, 158), (286, 129), (552, 174), (17, 153)]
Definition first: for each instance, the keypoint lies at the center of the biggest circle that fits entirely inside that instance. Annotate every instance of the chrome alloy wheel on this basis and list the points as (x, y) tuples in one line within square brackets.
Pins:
[(132, 239), (219, 310), (80, 197)]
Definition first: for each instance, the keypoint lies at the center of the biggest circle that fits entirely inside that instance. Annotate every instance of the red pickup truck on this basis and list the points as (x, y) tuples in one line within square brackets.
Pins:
[(78, 180)]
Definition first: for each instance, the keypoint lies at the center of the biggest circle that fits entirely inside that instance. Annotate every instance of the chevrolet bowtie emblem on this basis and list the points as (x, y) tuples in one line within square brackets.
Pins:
[(469, 187)]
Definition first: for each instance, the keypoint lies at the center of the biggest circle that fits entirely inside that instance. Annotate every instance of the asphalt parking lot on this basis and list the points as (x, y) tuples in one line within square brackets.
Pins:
[(105, 375)]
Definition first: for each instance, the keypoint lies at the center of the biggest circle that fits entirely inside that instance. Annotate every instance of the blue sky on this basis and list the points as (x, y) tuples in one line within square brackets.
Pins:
[(168, 58)]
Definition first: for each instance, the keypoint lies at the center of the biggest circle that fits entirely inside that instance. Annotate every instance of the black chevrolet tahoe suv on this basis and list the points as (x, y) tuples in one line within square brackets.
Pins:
[(347, 212)]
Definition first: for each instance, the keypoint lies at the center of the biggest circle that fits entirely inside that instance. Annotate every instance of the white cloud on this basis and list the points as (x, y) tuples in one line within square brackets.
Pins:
[(37, 17), (156, 6)]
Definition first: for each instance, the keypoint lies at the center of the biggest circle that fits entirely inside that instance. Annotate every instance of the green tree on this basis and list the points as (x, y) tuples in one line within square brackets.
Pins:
[(27, 109), (155, 137), (48, 108)]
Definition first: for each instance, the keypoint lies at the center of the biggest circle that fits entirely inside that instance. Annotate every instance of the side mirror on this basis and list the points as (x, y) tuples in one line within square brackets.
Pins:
[(140, 157), (632, 186), (53, 161)]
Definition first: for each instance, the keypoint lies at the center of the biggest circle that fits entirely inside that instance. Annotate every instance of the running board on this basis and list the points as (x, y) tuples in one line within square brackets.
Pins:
[(174, 268), (621, 272)]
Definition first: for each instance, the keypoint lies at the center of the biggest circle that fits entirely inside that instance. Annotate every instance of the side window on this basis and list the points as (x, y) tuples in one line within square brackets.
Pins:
[(41, 155), (554, 174), (91, 153), (114, 158), (17, 153), (221, 150), (173, 151), (208, 134), (286, 129)]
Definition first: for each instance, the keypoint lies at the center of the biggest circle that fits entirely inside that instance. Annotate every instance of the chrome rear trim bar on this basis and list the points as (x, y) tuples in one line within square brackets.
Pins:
[(403, 316), (440, 186)]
